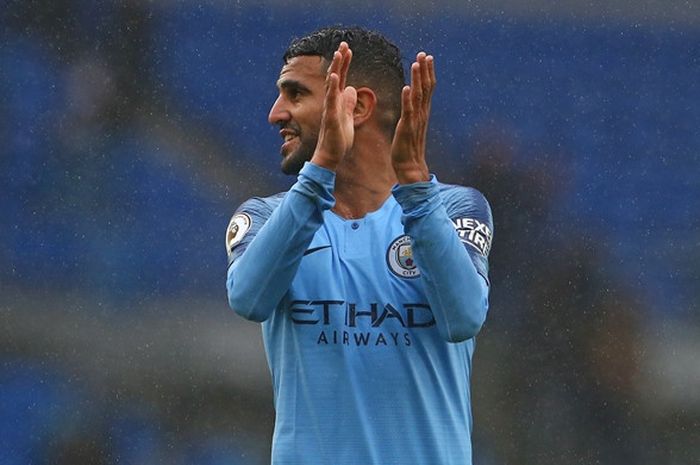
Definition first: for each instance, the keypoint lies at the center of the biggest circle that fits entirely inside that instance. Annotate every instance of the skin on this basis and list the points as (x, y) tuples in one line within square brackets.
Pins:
[(298, 109), (338, 129)]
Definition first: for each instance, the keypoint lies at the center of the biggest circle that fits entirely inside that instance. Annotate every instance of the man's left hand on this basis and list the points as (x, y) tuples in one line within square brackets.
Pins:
[(408, 146)]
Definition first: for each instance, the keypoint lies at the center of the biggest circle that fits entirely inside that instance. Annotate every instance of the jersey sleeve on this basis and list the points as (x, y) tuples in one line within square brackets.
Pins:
[(455, 288), (245, 224), (471, 217), (265, 255)]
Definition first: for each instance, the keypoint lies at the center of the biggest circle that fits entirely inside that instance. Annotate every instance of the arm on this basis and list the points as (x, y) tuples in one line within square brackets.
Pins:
[(456, 288), (260, 275), (458, 296)]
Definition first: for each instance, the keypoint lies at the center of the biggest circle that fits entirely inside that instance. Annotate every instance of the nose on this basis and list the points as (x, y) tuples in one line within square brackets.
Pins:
[(279, 112)]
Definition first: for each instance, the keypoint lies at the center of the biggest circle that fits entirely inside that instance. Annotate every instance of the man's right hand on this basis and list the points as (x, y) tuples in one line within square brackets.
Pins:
[(337, 130)]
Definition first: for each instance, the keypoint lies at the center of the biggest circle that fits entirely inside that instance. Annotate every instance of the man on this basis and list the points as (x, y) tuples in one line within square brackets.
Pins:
[(369, 276)]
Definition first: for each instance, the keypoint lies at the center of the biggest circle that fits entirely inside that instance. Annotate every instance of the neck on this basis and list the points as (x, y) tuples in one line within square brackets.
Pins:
[(365, 177)]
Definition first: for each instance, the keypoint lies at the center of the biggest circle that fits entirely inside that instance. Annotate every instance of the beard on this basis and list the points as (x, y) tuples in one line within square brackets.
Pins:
[(301, 152)]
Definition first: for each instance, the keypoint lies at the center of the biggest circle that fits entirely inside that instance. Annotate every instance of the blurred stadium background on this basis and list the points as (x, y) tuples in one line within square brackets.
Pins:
[(130, 131)]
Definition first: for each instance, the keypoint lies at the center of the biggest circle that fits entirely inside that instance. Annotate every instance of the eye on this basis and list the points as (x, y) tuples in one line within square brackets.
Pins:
[(293, 91)]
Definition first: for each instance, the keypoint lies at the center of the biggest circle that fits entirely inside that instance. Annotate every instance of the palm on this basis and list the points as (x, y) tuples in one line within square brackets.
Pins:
[(337, 128), (408, 146), (337, 131)]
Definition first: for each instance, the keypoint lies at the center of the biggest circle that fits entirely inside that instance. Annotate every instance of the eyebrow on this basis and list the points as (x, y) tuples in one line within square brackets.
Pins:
[(292, 85)]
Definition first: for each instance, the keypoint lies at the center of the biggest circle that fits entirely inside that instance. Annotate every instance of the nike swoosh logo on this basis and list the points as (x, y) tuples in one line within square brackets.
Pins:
[(316, 249)]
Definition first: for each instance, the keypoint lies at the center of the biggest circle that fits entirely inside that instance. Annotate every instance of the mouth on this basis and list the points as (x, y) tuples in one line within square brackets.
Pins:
[(288, 136)]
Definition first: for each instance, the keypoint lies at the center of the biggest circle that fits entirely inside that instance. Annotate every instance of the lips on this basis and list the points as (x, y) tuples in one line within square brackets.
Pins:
[(289, 136)]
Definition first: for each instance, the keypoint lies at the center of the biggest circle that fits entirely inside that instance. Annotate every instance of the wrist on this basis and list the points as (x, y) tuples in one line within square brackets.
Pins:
[(411, 173), (324, 160)]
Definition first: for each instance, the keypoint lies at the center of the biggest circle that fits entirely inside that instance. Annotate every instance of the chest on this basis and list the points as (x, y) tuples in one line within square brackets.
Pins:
[(360, 270), (357, 287), (373, 253)]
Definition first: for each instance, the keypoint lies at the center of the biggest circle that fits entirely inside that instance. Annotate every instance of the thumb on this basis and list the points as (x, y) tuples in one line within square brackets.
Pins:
[(350, 99)]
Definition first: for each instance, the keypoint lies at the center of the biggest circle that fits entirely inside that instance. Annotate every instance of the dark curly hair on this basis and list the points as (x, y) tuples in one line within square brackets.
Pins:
[(376, 63)]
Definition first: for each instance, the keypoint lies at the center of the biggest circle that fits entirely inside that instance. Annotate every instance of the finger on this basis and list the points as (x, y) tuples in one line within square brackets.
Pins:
[(424, 73), (338, 63), (406, 102), (424, 79), (334, 67), (350, 99), (416, 86), (430, 85), (345, 65), (331, 93), (431, 70)]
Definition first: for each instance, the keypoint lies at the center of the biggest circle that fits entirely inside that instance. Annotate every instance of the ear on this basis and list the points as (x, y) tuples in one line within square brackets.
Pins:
[(364, 108)]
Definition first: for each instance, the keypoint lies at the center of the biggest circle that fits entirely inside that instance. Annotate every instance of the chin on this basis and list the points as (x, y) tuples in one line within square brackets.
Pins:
[(292, 163)]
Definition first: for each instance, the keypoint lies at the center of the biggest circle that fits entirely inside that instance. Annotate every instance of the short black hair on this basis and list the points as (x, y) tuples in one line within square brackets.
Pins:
[(376, 63)]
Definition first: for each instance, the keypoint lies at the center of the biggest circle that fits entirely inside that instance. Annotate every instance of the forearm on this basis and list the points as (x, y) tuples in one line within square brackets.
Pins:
[(457, 294), (259, 278)]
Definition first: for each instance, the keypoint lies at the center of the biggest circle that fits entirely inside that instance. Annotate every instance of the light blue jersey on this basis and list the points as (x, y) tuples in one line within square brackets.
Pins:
[(368, 324)]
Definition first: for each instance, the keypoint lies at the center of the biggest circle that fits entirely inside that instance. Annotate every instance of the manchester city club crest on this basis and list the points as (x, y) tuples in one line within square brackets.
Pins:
[(399, 257)]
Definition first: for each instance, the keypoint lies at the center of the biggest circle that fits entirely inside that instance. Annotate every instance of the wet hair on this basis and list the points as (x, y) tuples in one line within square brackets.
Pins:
[(376, 63)]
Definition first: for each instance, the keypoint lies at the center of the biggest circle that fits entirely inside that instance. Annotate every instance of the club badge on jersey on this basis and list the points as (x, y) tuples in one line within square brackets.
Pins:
[(399, 257)]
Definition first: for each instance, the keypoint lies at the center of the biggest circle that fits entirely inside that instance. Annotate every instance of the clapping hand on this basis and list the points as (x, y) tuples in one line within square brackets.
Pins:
[(337, 129), (408, 147)]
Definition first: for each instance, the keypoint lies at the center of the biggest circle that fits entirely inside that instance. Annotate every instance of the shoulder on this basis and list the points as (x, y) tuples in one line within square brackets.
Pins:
[(456, 196), (252, 214), (248, 219), (261, 206), (471, 216)]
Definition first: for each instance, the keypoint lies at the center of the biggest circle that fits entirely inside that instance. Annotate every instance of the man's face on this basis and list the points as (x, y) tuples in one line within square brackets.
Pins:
[(298, 108)]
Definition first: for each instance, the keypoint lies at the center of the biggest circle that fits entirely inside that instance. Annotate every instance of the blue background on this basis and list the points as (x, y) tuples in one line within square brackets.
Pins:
[(130, 132)]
